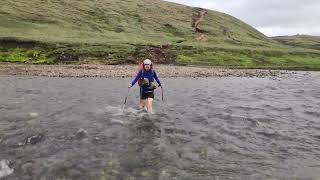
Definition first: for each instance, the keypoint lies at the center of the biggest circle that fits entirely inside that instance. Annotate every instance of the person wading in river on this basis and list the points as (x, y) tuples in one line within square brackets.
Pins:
[(145, 79)]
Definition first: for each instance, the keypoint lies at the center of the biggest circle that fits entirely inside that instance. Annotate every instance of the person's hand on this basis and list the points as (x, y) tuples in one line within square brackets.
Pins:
[(130, 85), (161, 86)]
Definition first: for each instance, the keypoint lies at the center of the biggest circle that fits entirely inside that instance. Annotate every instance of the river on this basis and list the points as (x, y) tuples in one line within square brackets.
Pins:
[(206, 128)]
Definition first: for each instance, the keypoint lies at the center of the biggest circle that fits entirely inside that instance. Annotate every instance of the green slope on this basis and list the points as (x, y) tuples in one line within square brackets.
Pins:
[(114, 21), (125, 31), (304, 41)]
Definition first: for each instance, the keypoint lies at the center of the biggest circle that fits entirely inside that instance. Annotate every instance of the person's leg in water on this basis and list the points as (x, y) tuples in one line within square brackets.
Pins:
[(149, 102), (143, 104), (143, 100)]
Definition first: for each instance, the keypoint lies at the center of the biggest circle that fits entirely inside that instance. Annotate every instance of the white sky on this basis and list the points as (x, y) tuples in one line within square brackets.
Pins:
[(271, 17)]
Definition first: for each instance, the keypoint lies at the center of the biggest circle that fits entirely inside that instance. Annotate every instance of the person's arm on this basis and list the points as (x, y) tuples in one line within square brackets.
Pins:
[(136, 78), (156, 78)]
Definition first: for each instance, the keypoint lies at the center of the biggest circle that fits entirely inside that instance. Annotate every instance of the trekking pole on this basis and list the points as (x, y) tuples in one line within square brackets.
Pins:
[(162, 93), (125, 100), (162, 97)]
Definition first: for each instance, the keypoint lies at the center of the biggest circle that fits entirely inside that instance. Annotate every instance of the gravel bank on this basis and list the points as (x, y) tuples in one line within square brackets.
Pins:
[(128, 71)]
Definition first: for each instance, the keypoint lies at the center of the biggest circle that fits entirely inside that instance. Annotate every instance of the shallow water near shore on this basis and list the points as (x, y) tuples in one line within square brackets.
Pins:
[(207, 128)]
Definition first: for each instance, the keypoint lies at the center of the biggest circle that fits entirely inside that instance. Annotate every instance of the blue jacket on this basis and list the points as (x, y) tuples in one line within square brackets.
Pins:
[(150, 76)]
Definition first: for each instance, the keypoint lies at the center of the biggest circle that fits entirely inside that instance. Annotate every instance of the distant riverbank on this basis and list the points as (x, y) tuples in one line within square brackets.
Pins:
[(129, 71)]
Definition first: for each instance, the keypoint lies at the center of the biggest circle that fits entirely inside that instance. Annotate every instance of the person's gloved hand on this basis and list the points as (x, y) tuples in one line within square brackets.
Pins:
[(130, 85)]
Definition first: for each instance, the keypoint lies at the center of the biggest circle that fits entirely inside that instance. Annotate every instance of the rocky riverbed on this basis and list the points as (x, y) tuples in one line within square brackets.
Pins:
[(129, 71)]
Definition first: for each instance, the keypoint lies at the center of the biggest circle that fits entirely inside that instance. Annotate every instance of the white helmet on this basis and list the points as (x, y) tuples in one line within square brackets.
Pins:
[(147, 62)]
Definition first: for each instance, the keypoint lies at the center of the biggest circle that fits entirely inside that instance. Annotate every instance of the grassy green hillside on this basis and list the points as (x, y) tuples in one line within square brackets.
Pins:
[(304, 41), (125, 31)]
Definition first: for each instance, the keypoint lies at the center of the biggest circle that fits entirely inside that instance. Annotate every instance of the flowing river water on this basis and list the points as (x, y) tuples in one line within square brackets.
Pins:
[(206, 128)]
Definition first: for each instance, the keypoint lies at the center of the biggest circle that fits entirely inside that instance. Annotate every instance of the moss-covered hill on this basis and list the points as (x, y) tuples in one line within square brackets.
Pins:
[(124, 31)]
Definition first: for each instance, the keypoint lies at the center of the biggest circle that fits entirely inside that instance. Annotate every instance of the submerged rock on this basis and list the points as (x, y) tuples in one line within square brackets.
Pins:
[(5, 169), (33, 114), (34, 139), (117, 122), (27, 167), (81, 133), (96, 139)]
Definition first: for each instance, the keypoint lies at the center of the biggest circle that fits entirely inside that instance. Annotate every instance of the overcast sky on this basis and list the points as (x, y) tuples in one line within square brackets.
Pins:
[(272, 17)]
